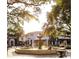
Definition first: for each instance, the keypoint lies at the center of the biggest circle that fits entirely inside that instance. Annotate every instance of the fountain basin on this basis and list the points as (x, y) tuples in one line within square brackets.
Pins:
[(35, 51)]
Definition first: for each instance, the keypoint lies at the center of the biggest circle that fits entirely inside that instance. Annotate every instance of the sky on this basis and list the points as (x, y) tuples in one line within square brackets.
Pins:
[(42, 17)]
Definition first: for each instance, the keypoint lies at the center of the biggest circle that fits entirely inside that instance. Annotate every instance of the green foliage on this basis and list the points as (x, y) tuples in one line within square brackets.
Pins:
[(29, 2), (56, 10), (16, 19), (58, 17), (14, 27)]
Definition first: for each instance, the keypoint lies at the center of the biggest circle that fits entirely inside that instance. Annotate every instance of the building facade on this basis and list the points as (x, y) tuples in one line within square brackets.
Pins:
[(32, 39)]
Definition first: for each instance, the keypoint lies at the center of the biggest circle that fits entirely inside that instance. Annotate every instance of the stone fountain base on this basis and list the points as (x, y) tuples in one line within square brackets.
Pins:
[(35, 51)]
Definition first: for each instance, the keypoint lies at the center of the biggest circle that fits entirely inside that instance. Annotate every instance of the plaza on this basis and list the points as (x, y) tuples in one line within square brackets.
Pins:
[(39, 28)]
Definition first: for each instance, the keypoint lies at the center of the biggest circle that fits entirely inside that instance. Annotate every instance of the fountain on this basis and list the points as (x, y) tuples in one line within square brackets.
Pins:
[(40, 41), (35, 51)]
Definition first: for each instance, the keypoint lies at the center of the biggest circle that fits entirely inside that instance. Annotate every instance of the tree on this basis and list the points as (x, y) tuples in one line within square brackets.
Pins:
[(28, 2), (63, 12), (59, 19), (15, 19)]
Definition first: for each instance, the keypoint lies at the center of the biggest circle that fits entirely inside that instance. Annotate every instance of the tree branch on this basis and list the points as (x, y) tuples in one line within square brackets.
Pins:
[(31, 4)]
